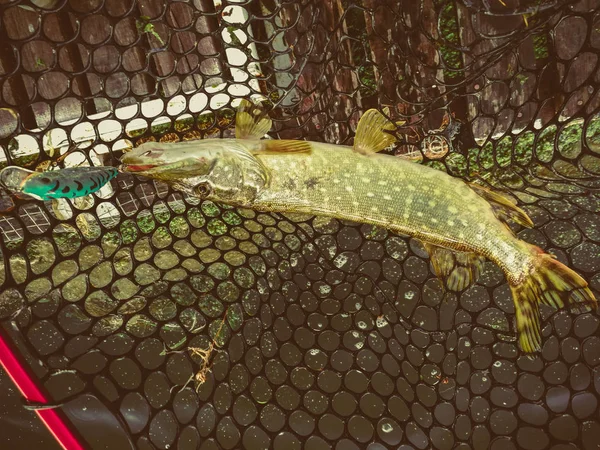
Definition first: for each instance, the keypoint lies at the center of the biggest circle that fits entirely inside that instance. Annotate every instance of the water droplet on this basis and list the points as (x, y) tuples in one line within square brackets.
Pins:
[(387, 428), (340, 261), (325, 289), (381, 322)]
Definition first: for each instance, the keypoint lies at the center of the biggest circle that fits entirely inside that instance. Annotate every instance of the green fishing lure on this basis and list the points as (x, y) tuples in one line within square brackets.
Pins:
[(64, 183)]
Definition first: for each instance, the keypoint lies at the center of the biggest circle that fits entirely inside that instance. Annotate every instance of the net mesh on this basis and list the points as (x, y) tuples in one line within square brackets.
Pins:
[(195, 324)]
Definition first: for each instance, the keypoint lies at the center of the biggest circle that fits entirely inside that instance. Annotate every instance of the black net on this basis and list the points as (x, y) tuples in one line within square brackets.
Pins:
[(184, 324)]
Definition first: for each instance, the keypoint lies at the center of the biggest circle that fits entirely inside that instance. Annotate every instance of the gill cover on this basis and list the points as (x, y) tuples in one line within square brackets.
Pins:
[(236, 175)]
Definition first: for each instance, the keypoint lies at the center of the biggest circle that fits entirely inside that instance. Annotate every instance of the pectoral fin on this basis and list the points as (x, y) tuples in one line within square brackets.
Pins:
[(251, 121), (370, 133), (457, 270), (503, 208), (283, 146)]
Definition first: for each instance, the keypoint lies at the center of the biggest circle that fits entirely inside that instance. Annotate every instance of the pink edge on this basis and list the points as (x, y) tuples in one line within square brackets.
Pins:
[(30, 390)]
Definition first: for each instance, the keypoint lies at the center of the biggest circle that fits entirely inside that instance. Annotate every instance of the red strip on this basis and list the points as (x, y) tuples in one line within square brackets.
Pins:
[(135, 168), (30, 390)]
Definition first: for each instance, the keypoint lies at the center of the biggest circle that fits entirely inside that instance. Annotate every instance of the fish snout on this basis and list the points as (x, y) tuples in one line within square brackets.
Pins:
[(133, 159)]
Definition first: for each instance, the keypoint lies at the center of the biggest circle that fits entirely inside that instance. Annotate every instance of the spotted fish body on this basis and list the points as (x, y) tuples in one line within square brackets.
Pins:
[(391, 192), (459, 224), (64, 183)]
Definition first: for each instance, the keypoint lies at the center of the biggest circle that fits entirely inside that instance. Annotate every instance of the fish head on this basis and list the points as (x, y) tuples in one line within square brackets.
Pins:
[(164, 161), (221, 170)]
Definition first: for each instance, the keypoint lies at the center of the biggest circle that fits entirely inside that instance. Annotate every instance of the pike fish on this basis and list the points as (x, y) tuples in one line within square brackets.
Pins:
[(460, 223), (71, 182)]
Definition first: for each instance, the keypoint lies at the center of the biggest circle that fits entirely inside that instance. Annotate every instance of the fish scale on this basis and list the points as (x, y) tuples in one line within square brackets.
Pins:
[(459, 224), (400, 195)]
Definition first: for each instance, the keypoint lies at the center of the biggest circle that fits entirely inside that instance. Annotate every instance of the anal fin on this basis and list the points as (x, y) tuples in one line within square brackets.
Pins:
[(371, 136), (502, 206), (457, 270)]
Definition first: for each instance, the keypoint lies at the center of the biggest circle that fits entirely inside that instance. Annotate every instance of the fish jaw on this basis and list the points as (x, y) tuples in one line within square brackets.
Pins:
[(143, 158), (140, 164), (168, 162), (146, 170), (136, 167), (173, 171), (135, 163)]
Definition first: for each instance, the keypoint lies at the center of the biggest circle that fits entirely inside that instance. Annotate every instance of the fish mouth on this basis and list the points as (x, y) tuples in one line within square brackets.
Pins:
[(137, 167), (159, 170)]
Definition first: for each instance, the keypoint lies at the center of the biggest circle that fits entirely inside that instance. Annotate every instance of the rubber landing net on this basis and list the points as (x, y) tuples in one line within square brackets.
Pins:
[(159, 321)]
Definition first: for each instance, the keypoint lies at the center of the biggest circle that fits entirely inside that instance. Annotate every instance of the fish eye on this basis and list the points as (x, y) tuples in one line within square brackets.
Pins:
[(148, 153), (203, 189)]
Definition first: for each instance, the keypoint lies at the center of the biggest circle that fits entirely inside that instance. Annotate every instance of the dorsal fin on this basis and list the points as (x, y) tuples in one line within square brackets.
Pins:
[(457, 270), (370, 135), (502, 206), (251, 121)]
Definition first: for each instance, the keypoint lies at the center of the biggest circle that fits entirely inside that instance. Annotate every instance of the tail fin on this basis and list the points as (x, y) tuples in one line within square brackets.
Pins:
[(552, 283)]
